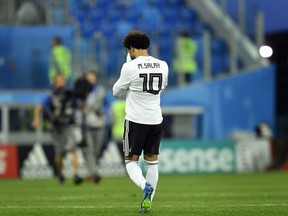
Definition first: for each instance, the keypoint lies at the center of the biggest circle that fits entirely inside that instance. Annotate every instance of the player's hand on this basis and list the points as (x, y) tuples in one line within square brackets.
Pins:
[(35, 123)]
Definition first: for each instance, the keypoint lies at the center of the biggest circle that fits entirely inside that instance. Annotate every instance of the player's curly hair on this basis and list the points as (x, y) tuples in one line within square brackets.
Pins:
[(136, 39)]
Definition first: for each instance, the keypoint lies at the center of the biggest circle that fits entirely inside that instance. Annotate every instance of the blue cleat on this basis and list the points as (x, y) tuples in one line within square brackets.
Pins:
[(141, 211), (146, 200)]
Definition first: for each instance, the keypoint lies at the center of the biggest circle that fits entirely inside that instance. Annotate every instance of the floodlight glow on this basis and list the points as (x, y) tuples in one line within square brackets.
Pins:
[(265, 51)]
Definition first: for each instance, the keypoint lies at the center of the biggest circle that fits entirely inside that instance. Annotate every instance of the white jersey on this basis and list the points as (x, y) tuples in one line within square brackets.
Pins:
[(143, 79), (128, 58)]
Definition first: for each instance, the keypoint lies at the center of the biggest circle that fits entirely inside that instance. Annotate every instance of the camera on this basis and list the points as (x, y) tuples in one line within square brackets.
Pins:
[(82, 88)]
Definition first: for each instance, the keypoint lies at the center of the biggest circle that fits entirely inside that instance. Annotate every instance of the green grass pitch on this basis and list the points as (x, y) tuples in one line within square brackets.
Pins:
[(177, 195)]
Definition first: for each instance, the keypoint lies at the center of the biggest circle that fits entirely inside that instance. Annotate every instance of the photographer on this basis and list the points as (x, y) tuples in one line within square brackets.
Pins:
[(60, 107)]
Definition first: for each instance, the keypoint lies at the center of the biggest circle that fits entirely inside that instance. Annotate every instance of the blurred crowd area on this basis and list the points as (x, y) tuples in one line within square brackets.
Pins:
[(94, 29), (34, 12), (98, 27)]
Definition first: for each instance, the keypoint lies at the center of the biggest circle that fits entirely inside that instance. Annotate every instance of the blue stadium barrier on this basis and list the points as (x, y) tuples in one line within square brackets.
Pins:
[(22, 97), (26, 53), (235, 103)]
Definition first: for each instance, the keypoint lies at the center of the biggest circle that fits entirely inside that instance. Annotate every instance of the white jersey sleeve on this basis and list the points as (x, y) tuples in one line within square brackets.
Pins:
[(120, 89), (121, 86), (144, 78), (128, 58)]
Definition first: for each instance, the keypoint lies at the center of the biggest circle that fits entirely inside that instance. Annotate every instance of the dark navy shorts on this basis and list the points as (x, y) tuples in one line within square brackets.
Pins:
[(141, 137)]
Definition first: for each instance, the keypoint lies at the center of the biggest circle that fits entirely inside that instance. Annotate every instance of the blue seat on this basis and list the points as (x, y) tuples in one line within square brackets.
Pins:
[(165, 46), (123, 27), (218, 46), (170, 15), (100, 5), (219, 64), (199, 28), (87, 29), (151, 16), (96, 17), (174, 3), (138, 4), (84, 5), (183, 26), (79, 15), (145, 28), (114, 15), (132, 16), (160, 4), (187, 15), (164, 30), (108, 30)]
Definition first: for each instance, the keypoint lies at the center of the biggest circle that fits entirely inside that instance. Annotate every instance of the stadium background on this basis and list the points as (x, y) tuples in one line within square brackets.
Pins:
[(212, 121)]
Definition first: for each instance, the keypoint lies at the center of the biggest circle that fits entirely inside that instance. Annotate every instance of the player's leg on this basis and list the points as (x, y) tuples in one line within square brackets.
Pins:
[(134, 140), (99, 141), (180, 79), (152, 175), (89, 154), (75, 166), (151, 151), (188, 77), (70, 146), (58, 159), (59, 167), (134, 171), (95, 140), (132, 146)]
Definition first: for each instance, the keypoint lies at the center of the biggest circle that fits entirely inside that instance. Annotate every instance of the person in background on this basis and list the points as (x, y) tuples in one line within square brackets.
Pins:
[(142, 80), (263, 130), (118, 118), (59, 106), (184, 63), (29, 13), (60, 60), (93, 125)]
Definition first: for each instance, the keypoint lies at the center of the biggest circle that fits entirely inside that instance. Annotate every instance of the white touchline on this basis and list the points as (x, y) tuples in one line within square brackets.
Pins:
[(128, 206), (256, 205), (57, 207)]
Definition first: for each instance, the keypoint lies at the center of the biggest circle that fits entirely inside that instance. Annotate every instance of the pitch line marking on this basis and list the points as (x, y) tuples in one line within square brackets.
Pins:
[(58, 207), (257, 205), (111, 207)]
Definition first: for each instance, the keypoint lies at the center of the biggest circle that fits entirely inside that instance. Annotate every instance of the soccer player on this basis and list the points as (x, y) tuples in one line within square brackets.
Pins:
[(142, 80)]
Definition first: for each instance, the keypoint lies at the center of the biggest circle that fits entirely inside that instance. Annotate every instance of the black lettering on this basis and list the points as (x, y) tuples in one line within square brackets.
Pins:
[(150, 89), (148, 65)]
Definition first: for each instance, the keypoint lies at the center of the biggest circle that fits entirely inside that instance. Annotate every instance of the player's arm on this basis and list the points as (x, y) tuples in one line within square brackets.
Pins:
[(38, 112), (128, 58), (122, 84), (165, 76), (37, 116)]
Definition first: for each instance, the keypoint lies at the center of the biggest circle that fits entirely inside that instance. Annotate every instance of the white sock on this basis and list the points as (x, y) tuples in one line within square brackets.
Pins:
[(152, 175), (135, 173)]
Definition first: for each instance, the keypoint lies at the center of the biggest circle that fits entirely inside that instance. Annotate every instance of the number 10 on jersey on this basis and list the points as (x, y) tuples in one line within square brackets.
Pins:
[(152, 82)]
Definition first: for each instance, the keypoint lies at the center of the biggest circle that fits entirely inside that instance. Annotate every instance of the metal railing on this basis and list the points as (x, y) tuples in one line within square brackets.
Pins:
[(241, 47), (41, 136)]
